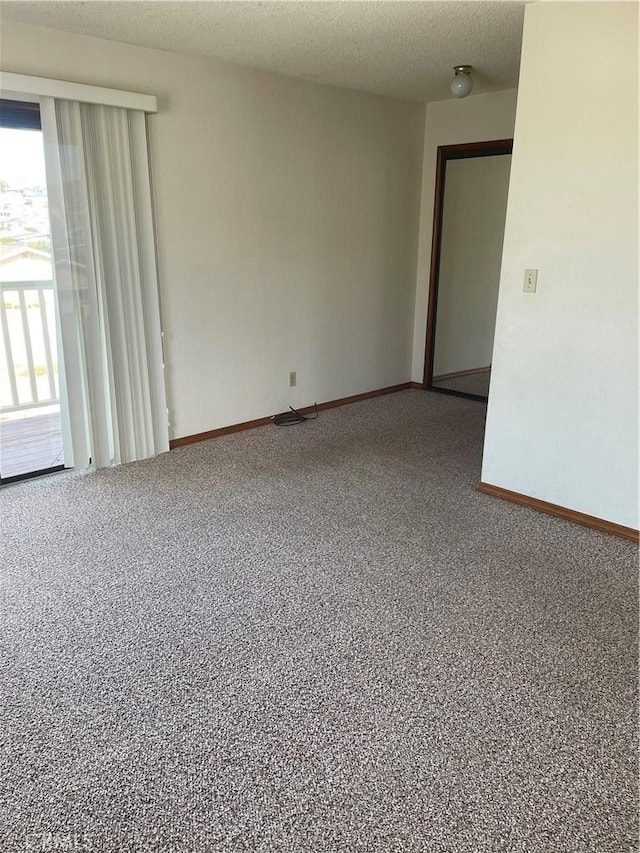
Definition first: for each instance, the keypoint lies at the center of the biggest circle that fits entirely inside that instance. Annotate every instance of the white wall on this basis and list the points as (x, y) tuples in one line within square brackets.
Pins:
[(287, 218), (477, 118), (563, 406), (473, 216)]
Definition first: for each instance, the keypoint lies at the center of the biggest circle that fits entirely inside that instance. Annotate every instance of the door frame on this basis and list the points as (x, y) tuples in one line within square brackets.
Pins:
[(460, 151)]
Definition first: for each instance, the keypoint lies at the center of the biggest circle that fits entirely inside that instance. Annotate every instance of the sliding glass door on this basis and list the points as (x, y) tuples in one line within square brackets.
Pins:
[(78, 275), (31, 432)]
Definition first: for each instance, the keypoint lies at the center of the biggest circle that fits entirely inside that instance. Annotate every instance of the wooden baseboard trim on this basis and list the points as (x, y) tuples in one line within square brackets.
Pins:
[(258, 422), (473, 372), (216, 433), (561, 512), (357, 398), (418, 386)]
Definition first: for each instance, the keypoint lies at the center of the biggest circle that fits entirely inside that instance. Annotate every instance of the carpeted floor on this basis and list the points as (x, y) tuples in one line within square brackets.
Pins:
[(316, 638)]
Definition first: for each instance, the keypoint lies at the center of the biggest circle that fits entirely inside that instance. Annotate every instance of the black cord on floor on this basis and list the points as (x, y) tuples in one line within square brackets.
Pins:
[(294, 417)]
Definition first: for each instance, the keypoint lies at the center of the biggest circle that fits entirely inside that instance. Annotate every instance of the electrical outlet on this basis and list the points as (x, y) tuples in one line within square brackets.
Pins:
[(293, 379), (530, 284)]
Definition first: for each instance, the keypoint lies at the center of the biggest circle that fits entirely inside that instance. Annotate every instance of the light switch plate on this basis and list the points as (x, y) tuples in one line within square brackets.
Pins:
[(530, 284)]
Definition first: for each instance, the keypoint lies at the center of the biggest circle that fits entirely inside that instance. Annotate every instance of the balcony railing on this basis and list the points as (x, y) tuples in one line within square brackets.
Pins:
[(29, 360)]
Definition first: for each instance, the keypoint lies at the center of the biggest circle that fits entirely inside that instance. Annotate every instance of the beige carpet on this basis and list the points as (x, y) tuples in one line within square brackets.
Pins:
[(314, 638)]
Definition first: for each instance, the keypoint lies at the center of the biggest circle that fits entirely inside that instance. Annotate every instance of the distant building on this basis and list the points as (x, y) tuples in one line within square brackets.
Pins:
[(20, 263)]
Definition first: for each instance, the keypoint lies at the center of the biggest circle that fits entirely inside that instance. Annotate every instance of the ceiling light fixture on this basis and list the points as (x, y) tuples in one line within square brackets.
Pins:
[(462, 83)]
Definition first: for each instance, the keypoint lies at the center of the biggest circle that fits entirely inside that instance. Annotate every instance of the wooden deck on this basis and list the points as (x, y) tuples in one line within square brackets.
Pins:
[(29, 444)]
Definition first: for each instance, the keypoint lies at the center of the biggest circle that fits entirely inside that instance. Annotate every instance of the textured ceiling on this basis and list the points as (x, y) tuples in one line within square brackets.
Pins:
[(403, 49)]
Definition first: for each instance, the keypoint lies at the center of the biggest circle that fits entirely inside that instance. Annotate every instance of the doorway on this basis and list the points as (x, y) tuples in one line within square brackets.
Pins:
[(472, 181), (31, 434)]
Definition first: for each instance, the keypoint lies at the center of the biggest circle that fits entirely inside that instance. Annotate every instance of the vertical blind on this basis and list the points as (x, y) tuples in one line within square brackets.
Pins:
[(105, 267)]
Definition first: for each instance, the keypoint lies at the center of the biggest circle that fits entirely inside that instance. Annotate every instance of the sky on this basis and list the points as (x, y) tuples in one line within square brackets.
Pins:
[(22, 158)]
